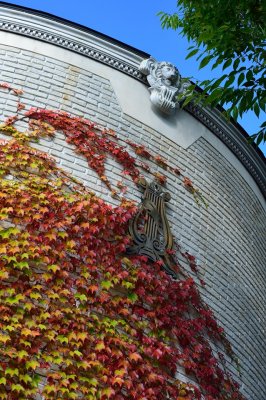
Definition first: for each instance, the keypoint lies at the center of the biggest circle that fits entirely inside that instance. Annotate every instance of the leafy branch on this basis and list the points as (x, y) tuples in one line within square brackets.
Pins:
[(235, 45)]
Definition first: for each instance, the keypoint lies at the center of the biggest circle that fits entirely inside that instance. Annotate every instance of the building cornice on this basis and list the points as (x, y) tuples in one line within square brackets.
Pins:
[(235, 139), (126, 59), (72, 37)]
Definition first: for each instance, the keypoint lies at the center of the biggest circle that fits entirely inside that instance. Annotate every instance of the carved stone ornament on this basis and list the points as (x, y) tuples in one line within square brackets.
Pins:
[(149, 228), (165, 84)]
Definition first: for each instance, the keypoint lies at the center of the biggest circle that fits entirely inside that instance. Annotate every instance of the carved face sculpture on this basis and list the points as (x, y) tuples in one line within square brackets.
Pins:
[(168, 74), (165, 83)]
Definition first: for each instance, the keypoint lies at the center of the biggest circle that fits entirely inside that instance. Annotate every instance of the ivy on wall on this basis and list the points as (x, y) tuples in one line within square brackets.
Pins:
[(79, 318)]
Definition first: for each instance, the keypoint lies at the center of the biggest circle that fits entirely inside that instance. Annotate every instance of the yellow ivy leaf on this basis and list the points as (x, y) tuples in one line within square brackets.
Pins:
[(22, 354), (25, 378), (108, 392), (4, 275), (32, 364), (53, 268), (100, 346), (17, 387)]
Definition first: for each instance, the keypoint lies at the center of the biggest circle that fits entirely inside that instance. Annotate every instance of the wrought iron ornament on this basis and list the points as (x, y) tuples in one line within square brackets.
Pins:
[(149, 228)]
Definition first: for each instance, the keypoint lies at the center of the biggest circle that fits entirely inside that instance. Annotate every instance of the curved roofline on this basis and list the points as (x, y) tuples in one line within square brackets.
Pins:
[(238, 126), (126, 59)]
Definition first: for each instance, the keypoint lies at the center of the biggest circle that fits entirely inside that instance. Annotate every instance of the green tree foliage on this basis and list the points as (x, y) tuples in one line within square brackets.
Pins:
[(229, 35)]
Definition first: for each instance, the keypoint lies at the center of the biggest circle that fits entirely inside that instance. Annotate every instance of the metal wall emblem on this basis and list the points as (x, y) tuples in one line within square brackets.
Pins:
[(149, 228)]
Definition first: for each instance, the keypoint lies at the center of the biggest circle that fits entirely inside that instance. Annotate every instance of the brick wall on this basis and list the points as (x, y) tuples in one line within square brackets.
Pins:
[(226, 238)]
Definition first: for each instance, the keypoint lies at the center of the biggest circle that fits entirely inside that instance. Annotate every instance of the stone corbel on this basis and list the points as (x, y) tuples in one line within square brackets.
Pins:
[(165, 84)]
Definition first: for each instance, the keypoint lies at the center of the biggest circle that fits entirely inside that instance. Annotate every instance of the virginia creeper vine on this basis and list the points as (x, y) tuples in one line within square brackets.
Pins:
[(79, 318)]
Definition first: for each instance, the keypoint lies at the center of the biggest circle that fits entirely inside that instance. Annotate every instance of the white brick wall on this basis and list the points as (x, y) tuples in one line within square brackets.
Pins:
[(227, 238)]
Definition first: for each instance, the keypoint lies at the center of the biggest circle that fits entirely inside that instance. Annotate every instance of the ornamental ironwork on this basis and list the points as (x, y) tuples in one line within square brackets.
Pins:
[(149, 228)]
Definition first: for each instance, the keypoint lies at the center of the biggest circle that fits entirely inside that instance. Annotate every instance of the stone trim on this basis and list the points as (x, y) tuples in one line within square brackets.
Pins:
[(70, 36), (235, 140), (126, 59)]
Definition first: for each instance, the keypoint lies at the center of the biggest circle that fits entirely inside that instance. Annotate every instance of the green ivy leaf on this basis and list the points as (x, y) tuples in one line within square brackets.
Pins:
[(12, 372), (106, 284), (132, 296)]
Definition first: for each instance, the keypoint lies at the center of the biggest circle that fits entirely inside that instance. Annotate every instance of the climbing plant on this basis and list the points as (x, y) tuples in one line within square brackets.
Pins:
[(80, 319)]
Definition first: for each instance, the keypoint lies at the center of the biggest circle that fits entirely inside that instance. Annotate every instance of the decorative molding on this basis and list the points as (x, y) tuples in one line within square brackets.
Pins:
[(70, 36), (149, 228), (234, 139), (165, 84), (73, 37)]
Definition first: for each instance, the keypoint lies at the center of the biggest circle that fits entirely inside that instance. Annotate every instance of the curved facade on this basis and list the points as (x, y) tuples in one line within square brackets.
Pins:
[(63, 66)]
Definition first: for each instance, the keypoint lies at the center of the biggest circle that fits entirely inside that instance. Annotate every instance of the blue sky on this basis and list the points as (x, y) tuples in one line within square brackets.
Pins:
[(135, 23)]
